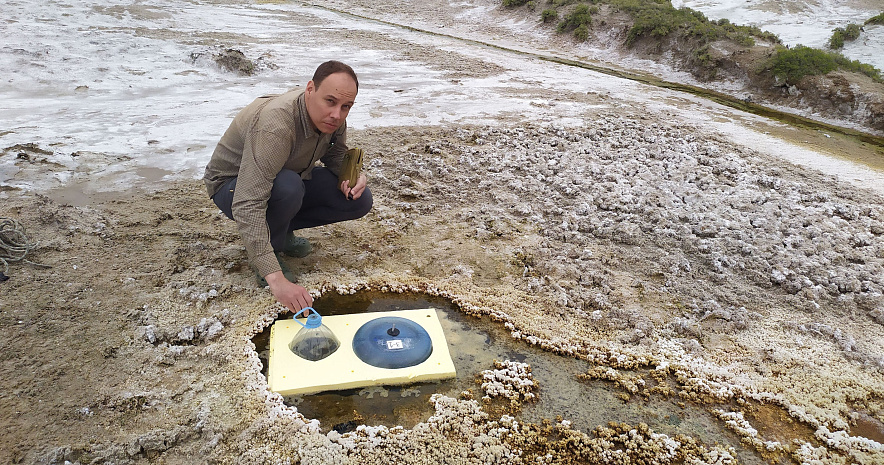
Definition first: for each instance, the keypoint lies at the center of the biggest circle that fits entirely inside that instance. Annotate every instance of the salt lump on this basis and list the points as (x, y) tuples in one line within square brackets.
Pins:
[(510, 380)]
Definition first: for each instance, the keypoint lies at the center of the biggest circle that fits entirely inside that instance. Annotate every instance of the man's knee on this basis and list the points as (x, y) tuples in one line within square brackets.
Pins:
[(364, 204), (287, 187)]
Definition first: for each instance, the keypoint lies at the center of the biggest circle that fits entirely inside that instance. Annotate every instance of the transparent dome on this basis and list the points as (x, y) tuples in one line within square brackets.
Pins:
[(392, 342)]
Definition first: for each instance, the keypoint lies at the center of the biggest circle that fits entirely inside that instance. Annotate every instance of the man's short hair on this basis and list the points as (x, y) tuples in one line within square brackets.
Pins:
[(331, 67)]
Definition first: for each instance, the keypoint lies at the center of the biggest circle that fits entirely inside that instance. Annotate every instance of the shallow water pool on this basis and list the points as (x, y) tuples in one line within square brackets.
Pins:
[(475, 344)]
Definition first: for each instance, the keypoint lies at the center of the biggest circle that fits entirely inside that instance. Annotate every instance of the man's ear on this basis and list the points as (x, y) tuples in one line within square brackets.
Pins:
[(311, 87)]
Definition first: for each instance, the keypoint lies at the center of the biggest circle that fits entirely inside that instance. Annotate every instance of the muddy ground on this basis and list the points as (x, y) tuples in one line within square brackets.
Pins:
[(681, 265)]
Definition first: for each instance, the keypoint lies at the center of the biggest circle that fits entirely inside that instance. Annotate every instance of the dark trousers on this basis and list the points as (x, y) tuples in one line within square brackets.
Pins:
[(297, 204)]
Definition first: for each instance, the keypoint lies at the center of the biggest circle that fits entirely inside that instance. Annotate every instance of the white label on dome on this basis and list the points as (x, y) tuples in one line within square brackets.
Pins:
[(394, 344)]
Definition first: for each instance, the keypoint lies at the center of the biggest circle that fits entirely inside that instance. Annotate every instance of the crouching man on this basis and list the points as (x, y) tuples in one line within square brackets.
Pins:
[(262, 174)]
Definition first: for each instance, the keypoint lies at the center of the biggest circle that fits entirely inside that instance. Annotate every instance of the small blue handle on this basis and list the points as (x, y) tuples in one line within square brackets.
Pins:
[(313, 321)]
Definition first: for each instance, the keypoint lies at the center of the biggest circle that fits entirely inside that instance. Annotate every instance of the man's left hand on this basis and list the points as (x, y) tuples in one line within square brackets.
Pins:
[(355, 192)]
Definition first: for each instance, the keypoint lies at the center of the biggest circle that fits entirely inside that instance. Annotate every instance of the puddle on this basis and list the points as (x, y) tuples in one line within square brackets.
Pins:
[(775, 424), (81, 193), (868, 427), (476, 343)]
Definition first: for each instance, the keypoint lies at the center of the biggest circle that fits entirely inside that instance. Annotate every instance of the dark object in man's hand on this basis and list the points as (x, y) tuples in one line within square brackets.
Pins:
[(351, 167)]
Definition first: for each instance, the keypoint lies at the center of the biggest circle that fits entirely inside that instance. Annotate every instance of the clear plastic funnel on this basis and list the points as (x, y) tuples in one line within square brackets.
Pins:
[(314, 341)]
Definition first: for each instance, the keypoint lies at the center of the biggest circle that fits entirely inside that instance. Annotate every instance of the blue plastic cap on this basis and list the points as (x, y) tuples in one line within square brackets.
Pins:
[(314, 320)]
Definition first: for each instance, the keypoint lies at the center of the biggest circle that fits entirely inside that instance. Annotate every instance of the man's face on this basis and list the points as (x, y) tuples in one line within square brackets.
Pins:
[(329, 104)]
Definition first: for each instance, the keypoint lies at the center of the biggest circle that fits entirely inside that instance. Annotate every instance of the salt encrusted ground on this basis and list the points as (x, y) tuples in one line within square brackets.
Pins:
[(629, 242), (683, 265)]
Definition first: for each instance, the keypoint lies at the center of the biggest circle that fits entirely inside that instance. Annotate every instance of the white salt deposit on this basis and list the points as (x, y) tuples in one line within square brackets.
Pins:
[(129, 95)]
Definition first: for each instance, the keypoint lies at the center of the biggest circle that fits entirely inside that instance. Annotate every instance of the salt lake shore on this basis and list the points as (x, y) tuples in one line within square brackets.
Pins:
[(675, 262)]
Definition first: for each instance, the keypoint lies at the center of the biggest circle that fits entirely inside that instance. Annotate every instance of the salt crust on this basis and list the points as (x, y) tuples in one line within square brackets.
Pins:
[(567, 297), (710, 192)]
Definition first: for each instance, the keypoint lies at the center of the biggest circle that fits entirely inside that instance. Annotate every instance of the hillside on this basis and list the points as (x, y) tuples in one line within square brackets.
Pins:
[(744, 62)]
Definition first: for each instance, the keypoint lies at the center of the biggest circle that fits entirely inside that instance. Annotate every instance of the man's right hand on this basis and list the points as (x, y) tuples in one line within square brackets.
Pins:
[(293, 296)]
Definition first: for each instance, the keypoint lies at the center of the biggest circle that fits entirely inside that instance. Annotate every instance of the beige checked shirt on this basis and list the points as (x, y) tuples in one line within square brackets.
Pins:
[(270, 134)]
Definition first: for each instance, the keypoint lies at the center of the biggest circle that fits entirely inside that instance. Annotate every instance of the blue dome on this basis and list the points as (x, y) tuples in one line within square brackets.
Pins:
[(392, 342)]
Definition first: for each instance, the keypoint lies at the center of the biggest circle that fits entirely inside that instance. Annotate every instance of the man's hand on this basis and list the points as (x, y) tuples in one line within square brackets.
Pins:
[(293, 296), (357, 190)]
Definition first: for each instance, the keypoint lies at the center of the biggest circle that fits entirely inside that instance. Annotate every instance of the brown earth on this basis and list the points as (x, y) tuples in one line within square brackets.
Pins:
[(133, 347), (718, 277)]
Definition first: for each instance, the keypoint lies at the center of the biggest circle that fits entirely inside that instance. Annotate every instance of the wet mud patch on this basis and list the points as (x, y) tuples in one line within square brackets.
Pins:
[(775, 424), (868, 427), (565, 396), (232, 60)]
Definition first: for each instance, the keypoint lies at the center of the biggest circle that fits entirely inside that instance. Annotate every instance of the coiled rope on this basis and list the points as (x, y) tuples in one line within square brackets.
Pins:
[(14, 243)]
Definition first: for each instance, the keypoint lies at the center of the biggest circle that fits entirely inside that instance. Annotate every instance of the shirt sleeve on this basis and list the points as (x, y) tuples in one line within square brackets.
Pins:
[(267, 147)]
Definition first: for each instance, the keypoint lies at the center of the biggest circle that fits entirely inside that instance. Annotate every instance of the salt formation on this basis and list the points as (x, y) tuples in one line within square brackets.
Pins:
[(510, 380), (673, 265), (738, 424), (733, 244)]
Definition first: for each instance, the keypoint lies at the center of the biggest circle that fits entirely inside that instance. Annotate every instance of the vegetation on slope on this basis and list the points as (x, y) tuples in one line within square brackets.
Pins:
[(791, 64), (840, 35), (658, 19), (875, 20)]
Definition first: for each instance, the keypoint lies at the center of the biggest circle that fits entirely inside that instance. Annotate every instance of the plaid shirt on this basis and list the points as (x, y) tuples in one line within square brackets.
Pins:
[(270, 134)]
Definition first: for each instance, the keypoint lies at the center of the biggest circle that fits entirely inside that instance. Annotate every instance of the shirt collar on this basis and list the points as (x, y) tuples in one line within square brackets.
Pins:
[(306, 127)]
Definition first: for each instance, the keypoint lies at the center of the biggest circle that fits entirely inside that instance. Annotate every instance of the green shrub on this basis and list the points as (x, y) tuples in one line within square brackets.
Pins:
[(851, 32), (857, 67), (756, 32), (836, 42), (579, 17), (876, 19), (703, 59), (841, 35), (793, 64), (658, 18), (532, 5), (514, 3), (743, 39), (660, 22), (634, 6), (581, 33)]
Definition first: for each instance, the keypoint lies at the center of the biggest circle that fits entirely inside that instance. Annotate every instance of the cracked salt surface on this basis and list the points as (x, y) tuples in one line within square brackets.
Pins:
[(127, 95)]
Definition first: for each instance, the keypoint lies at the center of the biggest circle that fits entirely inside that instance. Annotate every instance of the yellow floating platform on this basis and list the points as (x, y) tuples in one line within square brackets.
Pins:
[(289, 374)]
